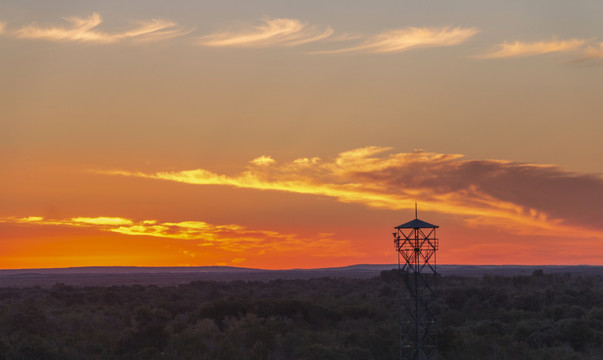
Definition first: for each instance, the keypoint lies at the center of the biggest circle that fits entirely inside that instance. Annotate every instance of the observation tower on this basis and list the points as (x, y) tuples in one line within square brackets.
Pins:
[(417, 244)]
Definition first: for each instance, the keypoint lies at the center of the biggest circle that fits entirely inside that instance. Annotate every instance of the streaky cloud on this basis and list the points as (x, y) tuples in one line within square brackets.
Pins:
[(521, 49), (83, 29), (229, 237), (399, 40), (102, 221), (273, 32), (519, 197)]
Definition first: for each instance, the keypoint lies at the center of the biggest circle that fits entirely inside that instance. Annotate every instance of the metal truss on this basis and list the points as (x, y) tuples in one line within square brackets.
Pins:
[(417, 244)]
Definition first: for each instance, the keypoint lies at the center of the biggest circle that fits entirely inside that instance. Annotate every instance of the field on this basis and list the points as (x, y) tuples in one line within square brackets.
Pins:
[(547, 314)]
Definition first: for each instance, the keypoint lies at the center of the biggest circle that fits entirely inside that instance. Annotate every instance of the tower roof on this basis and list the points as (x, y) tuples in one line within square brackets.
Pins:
[(416, 224)]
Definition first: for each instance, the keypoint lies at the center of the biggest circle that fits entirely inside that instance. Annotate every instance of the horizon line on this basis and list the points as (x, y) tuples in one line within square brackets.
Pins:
[(263, 269)]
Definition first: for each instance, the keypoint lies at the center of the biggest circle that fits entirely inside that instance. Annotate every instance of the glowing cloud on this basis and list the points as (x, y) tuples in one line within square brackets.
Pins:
[(102, 221), (518, 48), (515, 196), (30, 219), (83, 30), (273, 32), (263, 160), (229, 237), (2, 27), (400, 40)]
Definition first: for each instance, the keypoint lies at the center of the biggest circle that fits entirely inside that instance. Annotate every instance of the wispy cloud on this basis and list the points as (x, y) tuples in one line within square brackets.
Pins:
[(519, 48), (520, 197), (400, 40), (273, 32), (103, 221), (229, 237), (2, 27), (84, 29), (592, 52)]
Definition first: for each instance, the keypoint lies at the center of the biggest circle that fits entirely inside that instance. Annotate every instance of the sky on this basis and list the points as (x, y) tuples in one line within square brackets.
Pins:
[(298, 134)]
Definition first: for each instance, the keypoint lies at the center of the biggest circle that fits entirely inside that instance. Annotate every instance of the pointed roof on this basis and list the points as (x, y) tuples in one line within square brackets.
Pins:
[(416, 224)]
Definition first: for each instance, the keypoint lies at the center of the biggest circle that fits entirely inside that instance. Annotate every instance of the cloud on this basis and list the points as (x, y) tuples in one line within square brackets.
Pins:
[(2, 27), (84, 30), (592, 52), (582, 50), (394, 41), (101, 221), (229, 237), (518, 48), (516, 196), (263, 160), (273, 32)]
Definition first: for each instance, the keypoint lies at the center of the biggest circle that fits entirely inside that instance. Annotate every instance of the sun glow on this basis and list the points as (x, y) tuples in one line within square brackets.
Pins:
[(203, 239)]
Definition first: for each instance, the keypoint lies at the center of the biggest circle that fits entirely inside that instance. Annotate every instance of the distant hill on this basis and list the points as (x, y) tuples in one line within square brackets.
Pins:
[(167, 276)]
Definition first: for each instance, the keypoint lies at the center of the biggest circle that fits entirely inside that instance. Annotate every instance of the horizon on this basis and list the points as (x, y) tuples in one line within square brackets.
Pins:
[(169, 276), (290, 269), (299, 134)]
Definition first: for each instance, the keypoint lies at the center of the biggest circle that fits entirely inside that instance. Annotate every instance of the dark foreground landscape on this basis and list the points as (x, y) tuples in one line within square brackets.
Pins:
[(484, 313)]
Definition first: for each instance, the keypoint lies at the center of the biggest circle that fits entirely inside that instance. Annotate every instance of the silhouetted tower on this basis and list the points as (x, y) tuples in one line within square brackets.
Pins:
[(417, 244)]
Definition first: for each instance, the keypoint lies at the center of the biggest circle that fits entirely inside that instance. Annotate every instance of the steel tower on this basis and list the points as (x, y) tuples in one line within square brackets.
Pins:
[(417, 244)]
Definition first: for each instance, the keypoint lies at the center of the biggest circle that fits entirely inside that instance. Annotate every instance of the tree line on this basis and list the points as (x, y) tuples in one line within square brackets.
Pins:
[(542, 316)]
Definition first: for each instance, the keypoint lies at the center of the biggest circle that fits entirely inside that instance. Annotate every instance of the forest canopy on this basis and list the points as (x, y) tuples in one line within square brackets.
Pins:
[(541, 316)]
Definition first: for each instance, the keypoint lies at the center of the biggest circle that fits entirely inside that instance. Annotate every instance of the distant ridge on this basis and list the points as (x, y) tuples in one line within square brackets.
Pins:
[(126, 269), (167, 276)]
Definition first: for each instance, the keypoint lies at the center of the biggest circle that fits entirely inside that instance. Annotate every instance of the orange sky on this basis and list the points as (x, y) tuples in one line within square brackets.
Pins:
[(288, 135)]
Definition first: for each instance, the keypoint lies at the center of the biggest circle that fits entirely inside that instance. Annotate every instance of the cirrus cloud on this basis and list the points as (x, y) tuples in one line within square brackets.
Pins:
[(399, 40), (84, 30), (519, 48), (273, 32)]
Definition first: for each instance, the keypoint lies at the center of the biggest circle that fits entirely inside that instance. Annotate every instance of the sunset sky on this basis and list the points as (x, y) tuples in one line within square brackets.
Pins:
[(298, 134)]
